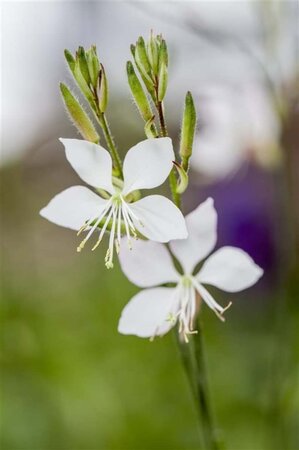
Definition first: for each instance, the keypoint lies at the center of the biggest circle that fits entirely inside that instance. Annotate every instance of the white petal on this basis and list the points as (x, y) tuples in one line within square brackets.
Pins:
[(147, 164), (202, 236), (160, 219), (147, 313), (230, 269), (91, 162), (73, 207), (147, 264)]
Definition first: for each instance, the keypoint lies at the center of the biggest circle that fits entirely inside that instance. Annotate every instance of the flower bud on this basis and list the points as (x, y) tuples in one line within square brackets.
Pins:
[(141, 57), (143, 67), (78, 115), (70, 60), (102, 90), (188, 130), (81, 57), (152, 52), (163, 53), (163, 81), (138, 93), (93, 65), (83, 84), (133, 49)]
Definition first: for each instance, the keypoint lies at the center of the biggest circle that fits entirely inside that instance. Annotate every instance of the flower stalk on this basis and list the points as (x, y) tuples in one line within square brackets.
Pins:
[(193, 356)]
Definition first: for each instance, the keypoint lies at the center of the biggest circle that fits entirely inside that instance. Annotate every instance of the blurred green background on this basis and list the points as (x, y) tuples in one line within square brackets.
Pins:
[(69, 381)]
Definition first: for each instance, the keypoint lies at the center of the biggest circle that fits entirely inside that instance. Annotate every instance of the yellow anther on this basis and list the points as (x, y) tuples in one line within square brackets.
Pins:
[(81, 245), (109, 264)]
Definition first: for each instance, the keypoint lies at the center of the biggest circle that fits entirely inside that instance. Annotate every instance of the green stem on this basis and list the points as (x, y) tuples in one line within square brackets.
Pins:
[(110, 142), (209, 432), (160, 110), (172, 176), (192, 353)]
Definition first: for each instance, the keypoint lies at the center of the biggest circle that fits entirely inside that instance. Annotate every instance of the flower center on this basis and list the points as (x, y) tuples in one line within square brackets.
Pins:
[(119, 218), (187, 306)]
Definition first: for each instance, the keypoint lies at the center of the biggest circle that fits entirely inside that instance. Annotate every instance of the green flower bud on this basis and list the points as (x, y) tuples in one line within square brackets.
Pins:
[(78, 115), (133, 49), (141, 57), (83, 85), (93, 65), (102, 90), (138, 93), (163, 53), (150, 129), (163, 81), (81, 57), (70, 60), (152, 52), (188, 130), (183, 179)]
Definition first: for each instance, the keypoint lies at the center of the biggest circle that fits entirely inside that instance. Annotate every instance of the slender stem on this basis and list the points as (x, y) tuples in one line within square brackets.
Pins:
[(186, 359), (209, 432), (110, 142), (192, 353), (172, 176), (160, 109)]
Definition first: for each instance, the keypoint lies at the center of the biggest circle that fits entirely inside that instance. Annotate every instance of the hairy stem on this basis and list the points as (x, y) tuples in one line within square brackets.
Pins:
[(110, 143), (192, 354)]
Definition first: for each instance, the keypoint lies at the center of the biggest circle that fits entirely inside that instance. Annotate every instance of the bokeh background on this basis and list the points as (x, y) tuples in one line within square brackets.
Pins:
[(69, 381)]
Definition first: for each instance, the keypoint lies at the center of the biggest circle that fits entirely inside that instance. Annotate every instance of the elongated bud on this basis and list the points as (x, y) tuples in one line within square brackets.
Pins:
[(81, 57), (93, 65), (70, 60), (143, 66), (163, 53), (163, 81), (183, 178), (188, 130), (82, 84), (152, 52), (138, 93), (141, 56), (133, 49), (102, 89), (78, 115), (150, 128)]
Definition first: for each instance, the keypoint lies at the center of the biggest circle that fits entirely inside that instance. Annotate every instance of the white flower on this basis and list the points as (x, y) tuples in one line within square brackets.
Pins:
[(146, 165), (155, 310)]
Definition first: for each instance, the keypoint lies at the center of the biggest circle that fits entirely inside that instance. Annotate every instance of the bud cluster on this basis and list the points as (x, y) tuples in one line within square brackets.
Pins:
[(148, 80), (151, 61), (90, 76)]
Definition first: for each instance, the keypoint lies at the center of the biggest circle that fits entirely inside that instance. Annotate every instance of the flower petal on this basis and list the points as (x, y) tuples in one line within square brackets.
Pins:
[(147, 264), (202, 236), (147, 313), (72, 207), (159, 219), (147, 164), (92, 163), (230, 269)]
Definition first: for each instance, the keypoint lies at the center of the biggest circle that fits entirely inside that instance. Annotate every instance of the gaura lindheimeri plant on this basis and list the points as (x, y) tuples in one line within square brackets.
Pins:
[(146, 165), (155, 310), (115, 207)]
